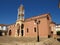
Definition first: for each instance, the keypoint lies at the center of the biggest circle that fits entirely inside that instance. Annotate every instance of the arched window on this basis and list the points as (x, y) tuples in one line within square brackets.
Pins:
[(34, 29), (27, 30)]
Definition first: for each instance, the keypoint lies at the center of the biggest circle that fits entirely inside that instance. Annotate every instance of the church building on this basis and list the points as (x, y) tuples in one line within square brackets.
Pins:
[(41, 25)]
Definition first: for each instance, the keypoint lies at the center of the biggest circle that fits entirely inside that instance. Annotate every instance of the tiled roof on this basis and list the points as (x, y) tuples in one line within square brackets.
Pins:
[(39, 16), (53, 22), (3, 25)]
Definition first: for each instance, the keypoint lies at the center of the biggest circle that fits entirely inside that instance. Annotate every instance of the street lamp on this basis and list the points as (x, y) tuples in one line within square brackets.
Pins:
[(37, 22)]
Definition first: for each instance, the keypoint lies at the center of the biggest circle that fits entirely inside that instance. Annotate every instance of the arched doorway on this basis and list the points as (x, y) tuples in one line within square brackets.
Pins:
[(18, 31), (10, 32), (51, 33), (0, 33), (22, 32)]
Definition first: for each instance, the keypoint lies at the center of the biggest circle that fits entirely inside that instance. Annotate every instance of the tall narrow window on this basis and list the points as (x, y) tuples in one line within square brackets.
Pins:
[(34, 29), (27, 30)]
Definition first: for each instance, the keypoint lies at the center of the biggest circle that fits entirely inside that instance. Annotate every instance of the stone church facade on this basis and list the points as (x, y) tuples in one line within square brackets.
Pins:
[(28, 27)]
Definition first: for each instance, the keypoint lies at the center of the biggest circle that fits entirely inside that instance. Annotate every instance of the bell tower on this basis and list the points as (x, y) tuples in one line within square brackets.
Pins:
[(20, 20), (20, 13)]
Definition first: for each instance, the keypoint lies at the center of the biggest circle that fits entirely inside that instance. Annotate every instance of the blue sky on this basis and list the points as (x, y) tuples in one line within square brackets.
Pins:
[(8, 9)]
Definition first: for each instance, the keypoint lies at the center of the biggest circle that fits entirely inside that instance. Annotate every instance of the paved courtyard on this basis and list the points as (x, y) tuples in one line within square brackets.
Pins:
[(27, 41)]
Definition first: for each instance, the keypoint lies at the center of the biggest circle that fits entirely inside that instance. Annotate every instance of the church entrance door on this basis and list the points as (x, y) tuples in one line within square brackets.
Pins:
[(22, 32)]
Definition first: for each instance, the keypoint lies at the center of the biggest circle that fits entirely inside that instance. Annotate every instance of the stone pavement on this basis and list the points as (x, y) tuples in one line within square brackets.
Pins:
[(27, 41)]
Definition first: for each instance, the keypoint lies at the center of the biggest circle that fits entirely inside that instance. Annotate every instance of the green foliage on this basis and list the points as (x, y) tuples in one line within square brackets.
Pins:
[(58, 32)]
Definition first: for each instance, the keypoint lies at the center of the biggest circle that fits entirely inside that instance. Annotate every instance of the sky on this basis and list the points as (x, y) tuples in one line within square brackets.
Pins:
[(9, 9)]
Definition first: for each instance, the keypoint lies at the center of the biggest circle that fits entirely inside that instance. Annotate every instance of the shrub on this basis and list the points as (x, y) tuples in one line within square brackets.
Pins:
[(58, 32)]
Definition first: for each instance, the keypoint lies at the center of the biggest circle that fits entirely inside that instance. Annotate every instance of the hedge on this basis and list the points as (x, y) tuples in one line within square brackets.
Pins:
[(58, 32)]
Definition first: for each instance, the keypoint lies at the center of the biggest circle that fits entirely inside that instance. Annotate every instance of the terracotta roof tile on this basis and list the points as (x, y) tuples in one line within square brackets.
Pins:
[(3, 25)]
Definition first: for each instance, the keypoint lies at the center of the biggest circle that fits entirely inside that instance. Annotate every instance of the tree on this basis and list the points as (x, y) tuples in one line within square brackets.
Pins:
[(58, 32)]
